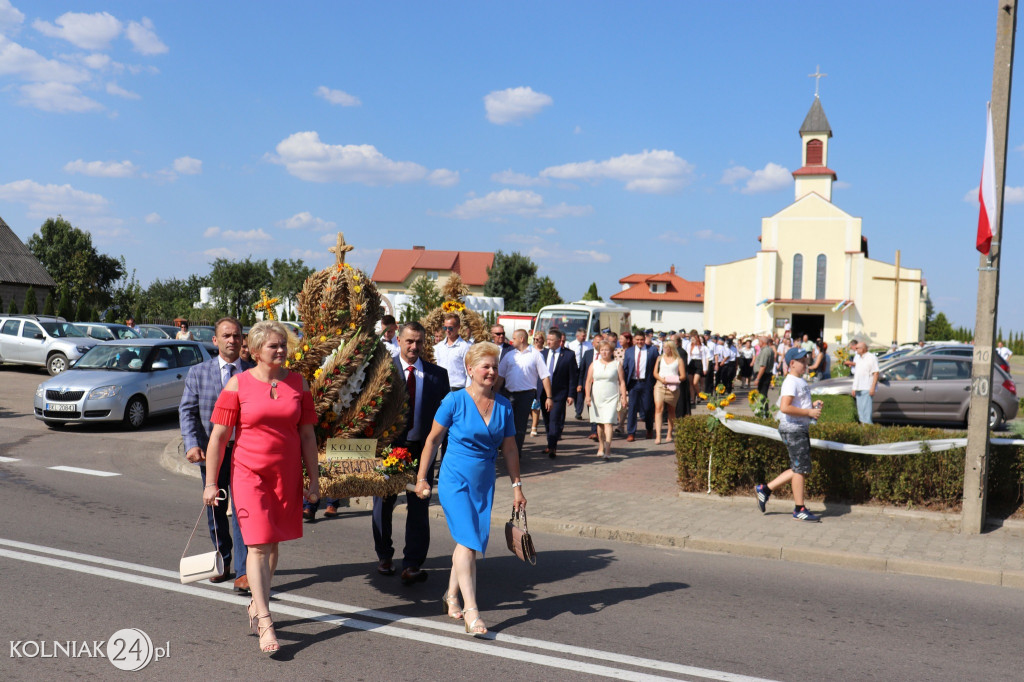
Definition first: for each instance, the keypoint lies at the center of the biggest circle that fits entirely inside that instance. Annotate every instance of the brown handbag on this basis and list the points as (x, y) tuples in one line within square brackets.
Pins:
[(519, 540)]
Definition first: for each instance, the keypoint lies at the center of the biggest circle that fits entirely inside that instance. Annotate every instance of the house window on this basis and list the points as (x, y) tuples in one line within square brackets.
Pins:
[(656, 315), (432, 275), (814, 152), (656, 288), (819, 284), (798, 275)]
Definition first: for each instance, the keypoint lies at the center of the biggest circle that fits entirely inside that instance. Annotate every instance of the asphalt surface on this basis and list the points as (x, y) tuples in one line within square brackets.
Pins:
[(84, 556)]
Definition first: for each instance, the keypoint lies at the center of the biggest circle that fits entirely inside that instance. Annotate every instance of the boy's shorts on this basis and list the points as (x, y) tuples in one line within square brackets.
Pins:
[(799, 445)]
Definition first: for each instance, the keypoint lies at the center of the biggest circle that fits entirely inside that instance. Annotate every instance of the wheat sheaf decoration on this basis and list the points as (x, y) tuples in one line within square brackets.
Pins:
[(472, 324)]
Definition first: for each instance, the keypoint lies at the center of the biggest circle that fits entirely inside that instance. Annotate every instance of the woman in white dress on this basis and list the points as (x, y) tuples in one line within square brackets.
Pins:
[(605, 395), (666, 389)]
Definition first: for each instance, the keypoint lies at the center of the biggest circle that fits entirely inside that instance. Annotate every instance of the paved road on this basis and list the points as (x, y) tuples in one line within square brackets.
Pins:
[(84, 556)]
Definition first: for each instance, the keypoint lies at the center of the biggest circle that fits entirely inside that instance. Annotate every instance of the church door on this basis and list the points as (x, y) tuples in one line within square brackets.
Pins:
[(812, 325)]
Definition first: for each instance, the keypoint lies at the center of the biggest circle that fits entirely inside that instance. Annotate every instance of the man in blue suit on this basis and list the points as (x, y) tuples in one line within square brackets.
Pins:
[(638, 366), (427, 385), (561, 364), (202, 386)]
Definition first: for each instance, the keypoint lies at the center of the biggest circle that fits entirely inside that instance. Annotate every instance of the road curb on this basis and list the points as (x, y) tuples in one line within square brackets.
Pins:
[(172, 460)]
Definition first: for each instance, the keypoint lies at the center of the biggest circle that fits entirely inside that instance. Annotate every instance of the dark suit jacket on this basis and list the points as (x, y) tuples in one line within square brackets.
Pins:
[(202, 387), (435, 388), (563, 378), (629, 366), (585, 363)]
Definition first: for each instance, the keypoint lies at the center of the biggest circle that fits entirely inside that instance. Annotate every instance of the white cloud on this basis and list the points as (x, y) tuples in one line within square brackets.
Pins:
[(735, 174), (101, 169), (96, 60), (672, 238), (840, 184), (307, 158), (577, 130), (186, 165), (144, 39), (442, 177), (257, 235), (657, 171), (87, 31), (29, 65), (712, 236), (510, 177), (771, 178), (339, 97), (514, 104), (115, 89), (10, 17), (50, 200), (57, 97), (511, 202), (220, 252), (305, 219), (595, 256), (211, 232), (153, 219)]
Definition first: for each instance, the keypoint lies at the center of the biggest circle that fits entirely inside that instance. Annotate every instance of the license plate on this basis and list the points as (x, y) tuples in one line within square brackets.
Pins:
[(58, 407)]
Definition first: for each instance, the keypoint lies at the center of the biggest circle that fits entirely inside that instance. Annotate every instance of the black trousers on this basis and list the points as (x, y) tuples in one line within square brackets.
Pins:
[(417, 523), (765, 382), (228, 536), (554, 421), (521, 403)]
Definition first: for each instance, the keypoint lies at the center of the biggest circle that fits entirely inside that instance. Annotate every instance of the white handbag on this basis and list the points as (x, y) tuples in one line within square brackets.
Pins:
[(206, 565)]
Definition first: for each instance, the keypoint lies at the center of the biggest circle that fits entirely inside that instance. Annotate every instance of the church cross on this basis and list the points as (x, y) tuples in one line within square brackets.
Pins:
[(266, 304), (341, 248), (817, 76), (896, 305)]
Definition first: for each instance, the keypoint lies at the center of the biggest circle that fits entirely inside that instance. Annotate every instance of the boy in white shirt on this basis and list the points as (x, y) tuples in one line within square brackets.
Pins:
[(795, 414)]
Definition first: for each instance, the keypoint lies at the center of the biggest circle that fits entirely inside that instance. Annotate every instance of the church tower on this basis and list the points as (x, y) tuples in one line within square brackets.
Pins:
[(815, 175)]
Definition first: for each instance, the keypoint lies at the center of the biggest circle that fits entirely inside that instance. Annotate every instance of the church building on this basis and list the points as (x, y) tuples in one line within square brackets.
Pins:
[(812, 272)]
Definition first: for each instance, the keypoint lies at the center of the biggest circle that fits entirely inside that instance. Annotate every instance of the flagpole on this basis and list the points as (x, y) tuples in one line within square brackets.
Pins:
[(976, 461)]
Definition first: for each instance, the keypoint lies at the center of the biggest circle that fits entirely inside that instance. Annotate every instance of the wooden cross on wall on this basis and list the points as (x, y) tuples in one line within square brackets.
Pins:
[(896, 305), (340, 249)]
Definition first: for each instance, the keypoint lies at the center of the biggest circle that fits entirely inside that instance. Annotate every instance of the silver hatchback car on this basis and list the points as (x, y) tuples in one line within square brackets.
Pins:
[(123, 380)]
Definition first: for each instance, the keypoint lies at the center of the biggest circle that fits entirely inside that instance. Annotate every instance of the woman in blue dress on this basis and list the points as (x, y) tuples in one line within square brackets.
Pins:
[(478, 423)]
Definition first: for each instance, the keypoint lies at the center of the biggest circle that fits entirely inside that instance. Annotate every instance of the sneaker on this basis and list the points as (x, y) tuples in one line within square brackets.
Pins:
[(763, 493), (804, 514)]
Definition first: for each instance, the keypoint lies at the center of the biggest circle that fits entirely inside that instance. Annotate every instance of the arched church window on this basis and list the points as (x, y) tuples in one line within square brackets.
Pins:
[(798, 276), (815, 151), (819, 284)]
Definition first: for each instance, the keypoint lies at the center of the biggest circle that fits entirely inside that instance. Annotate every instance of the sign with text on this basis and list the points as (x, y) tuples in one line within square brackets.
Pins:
[(352, 455)]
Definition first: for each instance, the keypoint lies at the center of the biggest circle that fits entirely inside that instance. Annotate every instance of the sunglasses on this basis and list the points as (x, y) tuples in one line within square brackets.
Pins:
[(498, 333), (448, 329)]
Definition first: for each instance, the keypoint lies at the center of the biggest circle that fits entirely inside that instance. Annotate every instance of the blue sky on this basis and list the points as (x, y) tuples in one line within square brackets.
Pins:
[(600, 138)]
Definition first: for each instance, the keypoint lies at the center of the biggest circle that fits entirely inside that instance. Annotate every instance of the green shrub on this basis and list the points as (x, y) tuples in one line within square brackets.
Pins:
[(934, 479), (837, 409)]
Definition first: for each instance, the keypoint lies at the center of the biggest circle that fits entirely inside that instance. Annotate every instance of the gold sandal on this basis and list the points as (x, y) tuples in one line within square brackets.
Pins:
[(447, 602), (271, 647), (471, 627)]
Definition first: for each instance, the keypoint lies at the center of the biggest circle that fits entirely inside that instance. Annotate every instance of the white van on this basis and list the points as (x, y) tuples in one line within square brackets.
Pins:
[(590, 315)]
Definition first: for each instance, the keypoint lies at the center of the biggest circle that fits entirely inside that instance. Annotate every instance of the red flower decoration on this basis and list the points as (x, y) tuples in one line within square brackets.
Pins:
[(368, 430)]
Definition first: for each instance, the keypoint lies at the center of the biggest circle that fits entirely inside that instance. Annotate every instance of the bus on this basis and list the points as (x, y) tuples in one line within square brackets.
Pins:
[(590, 315)]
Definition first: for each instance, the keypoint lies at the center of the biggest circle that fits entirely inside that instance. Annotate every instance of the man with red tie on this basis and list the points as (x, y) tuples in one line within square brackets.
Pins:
[(427, 385), (638, 366)]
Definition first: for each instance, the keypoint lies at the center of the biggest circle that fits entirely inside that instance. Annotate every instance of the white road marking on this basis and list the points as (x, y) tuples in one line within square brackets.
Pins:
[(462, 642), (78, 470), (9, 459)]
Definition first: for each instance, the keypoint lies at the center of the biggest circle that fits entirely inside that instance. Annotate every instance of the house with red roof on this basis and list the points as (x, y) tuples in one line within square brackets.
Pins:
[(662, 302), (398, 268)]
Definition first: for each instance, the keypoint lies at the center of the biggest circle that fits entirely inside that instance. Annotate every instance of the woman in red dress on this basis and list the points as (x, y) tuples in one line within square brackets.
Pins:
[(269, 411)]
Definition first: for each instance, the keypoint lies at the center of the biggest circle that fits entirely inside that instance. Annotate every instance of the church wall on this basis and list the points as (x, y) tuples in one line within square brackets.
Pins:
[(730, 303), (876, 303)]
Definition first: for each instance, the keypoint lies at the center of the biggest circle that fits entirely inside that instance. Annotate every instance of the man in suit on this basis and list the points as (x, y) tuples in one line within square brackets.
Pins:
[(427, 385), (561, 366), (638, 366), (202, 386), (579, 346), (586, 360)]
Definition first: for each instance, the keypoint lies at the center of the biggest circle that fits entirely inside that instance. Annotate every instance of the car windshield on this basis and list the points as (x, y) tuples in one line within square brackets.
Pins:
[(153, 333), (204, 334), (127, 333), (111, 357), (62, 329), (568, 321)]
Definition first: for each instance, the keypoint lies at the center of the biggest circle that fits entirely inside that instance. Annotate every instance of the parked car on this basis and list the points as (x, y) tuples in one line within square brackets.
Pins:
[(158, 331), (108, 331), (926, 389), (204, 334), (963, 350), (123, 380), (42, 340)]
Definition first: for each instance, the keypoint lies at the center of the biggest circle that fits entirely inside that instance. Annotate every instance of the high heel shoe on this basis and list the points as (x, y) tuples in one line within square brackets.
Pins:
[(251, 609), (271, 647), (471, 627), (447, 602)]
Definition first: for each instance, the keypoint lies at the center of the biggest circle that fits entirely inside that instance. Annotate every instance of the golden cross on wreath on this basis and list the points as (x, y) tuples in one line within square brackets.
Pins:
[(266, 304), (340, 248)]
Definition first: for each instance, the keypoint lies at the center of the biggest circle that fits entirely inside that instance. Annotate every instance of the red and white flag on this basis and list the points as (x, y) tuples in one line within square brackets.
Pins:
[(987, 191)]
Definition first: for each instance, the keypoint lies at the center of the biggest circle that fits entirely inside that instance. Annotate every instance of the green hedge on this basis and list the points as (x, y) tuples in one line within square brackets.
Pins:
[(838, 409), (929, 479)]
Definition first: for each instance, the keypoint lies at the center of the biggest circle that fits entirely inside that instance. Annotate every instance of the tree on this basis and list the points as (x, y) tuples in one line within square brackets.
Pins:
[(172, 297), (508, 278), (69, 256), (31, 304), (64, 306), (12, 309), (110, 315), (547, 293), (82, 311), (939, 329), (424, 297), (288, 278), (127, 295), (236, 284), (48, 308), (531, 294), (591, 294)]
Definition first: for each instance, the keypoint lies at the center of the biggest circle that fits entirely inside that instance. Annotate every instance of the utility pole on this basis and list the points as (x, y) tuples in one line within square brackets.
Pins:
[(976, 461)]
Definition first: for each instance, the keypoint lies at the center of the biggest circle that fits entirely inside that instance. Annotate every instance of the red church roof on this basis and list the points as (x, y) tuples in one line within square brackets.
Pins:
[(677, 288), (395, 265)]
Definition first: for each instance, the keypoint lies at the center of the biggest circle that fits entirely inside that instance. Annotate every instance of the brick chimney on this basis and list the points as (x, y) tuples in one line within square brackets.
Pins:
[(672, 270), (419, 248)]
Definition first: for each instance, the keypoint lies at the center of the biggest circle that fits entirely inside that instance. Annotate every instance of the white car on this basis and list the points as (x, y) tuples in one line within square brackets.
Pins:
[(41, 340)]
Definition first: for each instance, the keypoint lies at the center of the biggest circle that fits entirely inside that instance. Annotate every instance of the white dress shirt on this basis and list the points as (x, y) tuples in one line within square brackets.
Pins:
[(415, 427), (640, 355), (453, 359), (578, 349), (523, 369), (392, 346)]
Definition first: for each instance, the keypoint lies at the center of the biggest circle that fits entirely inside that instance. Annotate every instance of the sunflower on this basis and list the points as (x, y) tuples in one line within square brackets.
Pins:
[(702, 396), (711, 407), (720, 389)]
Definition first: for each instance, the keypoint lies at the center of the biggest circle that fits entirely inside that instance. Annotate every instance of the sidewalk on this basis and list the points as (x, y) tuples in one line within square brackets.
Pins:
[(634, 498)]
